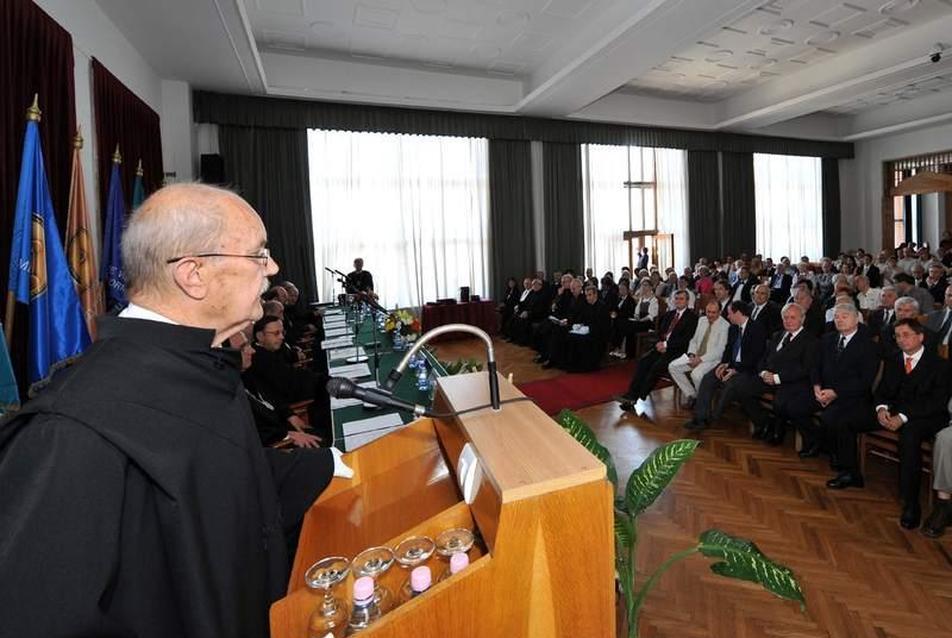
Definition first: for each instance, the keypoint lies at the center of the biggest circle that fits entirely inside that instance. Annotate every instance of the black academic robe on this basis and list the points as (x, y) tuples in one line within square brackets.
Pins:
[(361, 281), (137, 500)]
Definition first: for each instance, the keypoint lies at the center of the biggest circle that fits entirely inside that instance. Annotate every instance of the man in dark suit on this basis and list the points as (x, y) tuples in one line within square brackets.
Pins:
[(765, 311), (846, 363), (813, 317), (780, 283), (911, 400), (940, 321), (741, 290), (785, 371), (871, 271), (885, 315), (936, 283), (674, 333), (745, 347), (722, 295)]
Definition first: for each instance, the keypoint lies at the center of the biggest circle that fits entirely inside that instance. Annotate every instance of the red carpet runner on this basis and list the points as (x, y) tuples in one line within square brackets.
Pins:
[(574, 391)]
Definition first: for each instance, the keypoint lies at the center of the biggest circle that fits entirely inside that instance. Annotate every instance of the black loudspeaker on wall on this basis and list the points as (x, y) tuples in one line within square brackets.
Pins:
[(213, 169)]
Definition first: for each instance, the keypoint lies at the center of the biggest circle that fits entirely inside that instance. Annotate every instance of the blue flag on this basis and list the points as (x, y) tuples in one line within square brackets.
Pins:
[(9, 393), (39, 274), (110, 266), (138, 190)]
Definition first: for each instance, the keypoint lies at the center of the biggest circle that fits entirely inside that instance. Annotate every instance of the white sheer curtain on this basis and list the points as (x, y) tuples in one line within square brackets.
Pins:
[(610, 208), (415, 208), (788, 192), (606, 212), (671, 169)]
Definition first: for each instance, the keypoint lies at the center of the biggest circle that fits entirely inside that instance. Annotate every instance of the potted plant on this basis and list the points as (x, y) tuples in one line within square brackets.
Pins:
[(734, 557)]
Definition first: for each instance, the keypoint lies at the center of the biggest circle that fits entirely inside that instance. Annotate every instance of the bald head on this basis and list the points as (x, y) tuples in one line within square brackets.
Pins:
[(175, 221), (197, 255)]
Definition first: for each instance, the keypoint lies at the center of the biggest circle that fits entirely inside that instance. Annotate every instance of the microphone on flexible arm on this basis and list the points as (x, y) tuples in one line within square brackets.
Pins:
[(341, 388), (391, 381)]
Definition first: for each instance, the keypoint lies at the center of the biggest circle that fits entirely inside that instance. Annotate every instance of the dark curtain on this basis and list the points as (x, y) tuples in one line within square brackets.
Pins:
[(36, 57), (562, 188), (269, 168), (739, 227), (704, 205), (511, 228), (242, 110), (122, 118), (831, 206)]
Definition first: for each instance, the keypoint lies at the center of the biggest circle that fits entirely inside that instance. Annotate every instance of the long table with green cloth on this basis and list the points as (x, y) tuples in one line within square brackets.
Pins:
[(406, 389)]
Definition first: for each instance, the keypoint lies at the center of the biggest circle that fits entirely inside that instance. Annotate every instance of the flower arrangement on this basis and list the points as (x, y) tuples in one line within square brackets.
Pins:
[(403, 323)]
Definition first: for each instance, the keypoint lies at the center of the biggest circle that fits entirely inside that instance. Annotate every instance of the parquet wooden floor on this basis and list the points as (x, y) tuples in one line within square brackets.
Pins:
[(863, 575)]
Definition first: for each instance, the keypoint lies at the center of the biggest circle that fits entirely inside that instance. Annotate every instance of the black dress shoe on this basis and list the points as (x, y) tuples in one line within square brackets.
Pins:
[(939, 519), (775, 437), (835, 463), (809, 452), (538, 359), (911, 515), (760, 432), (844, 480), (695, 426), (628, 406), (547, 364)]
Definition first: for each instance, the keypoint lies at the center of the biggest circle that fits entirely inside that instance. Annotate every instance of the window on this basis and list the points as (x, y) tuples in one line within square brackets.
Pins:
[(789, 199), (415, 208), (633, 188)]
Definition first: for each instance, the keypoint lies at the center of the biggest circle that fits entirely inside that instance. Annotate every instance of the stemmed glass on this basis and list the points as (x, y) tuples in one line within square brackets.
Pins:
[(453, 541), (331, 616), (412, 552), (375, 562)]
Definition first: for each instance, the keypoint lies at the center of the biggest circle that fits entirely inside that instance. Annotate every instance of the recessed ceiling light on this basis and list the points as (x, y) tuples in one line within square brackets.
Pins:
[(779, 26), (823, 37), (897, 6), (717, 84), (717, 56)]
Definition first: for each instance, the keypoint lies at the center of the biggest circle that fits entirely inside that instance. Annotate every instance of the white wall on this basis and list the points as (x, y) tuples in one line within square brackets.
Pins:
[(178, 133), (861, 179), (95, 36)]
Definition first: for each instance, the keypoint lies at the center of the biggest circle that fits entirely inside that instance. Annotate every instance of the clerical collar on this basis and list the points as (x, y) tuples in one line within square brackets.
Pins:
[(132, 311)]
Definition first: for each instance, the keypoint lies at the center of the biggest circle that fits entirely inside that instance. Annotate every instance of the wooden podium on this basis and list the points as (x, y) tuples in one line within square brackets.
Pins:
[(543, 563)]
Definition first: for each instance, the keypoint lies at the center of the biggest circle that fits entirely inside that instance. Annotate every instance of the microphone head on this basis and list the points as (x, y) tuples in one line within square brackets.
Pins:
[(340, 388)]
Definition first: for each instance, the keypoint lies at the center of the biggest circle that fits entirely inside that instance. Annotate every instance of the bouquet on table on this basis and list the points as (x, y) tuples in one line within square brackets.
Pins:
[(402, 323)]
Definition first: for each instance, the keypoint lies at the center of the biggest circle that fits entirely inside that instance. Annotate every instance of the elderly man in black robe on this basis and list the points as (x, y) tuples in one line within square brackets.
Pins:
[(137, 498)]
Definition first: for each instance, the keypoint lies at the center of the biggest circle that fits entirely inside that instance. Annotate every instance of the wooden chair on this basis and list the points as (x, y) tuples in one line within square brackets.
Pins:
[(885, 445)]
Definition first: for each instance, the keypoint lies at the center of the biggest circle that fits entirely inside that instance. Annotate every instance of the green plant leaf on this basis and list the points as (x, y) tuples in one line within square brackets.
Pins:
[(580, 431), (624, 531), (743, 560), (648, 481)]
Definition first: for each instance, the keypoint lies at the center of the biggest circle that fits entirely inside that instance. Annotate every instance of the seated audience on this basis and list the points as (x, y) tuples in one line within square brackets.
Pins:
[(911, 400), (579, 346), (674, 333), (621, 315), (704, 352), (746, 340), (764, 310), (509, 300), (905, 287), (940, 321), (518, 309), (842, 378), (936, 282), (784, 370), (867, 296)]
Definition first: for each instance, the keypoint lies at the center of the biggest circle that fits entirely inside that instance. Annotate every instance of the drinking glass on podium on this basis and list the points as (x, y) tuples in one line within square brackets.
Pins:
[(412, 552), (375, 562), (331, 616)]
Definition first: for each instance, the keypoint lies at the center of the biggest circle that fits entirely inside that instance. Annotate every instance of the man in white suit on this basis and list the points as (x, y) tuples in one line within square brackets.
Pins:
[(704, 352)]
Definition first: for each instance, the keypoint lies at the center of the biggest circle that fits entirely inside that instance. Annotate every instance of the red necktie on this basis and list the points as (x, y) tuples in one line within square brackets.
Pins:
[(908, 365)]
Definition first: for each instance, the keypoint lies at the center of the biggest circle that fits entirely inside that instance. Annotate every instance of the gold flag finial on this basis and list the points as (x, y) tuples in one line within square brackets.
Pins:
[(139, 170), (33, 113), (78, 138), (116, 156)]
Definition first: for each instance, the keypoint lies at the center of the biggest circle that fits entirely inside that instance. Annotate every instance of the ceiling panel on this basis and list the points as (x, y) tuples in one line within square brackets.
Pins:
[(782, 37)]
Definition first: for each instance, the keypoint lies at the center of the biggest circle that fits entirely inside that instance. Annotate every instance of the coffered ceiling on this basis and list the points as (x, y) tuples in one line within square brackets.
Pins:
[(817, 68)]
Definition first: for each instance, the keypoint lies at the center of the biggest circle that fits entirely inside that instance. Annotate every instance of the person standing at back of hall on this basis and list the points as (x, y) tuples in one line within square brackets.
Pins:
[(360, 280)]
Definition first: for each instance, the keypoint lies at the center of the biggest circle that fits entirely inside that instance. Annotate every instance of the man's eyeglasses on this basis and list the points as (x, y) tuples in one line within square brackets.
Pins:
[(262, 255)]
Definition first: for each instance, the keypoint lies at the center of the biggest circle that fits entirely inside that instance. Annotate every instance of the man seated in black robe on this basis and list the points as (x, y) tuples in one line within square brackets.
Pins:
[(561, 309), (587, 338), (137, 499), (273, 375), (359, 280)]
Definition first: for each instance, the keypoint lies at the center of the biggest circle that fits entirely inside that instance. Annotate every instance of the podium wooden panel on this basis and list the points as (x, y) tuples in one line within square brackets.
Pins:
[(544, 565)]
